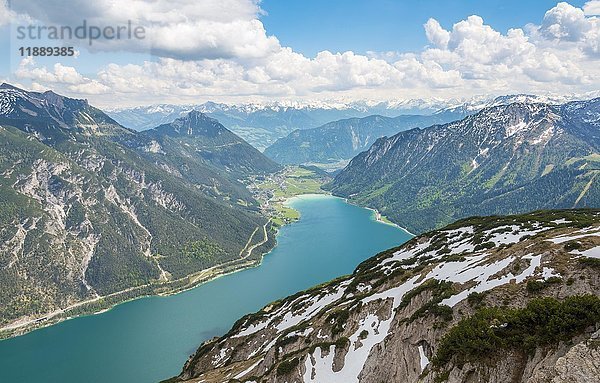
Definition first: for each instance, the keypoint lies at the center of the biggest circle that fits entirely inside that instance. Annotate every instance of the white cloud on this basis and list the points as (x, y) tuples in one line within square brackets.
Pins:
[(61, 77), (184, 29), (60, 74), (569, 26), (565, 22), (6, 15), (91, 87), (220, 50), (438, 36), (592, 8)]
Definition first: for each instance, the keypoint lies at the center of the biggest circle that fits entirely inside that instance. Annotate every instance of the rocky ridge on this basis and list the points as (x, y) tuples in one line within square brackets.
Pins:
[(411, 314)]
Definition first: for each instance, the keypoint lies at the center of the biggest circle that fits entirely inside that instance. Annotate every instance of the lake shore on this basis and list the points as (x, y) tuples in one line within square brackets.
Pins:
[(377, 216), (106, 303), (383, 219), (330, 240)]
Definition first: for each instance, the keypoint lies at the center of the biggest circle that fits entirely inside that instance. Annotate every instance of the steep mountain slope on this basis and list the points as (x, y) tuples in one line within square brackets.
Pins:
[(90, 212), (214, 143), (504, 159), (344, 139), (494, 299), (201, 150)]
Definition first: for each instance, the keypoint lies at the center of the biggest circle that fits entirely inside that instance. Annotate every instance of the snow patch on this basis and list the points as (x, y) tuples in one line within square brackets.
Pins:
[(424, 361), (514, 129), (594, 252)]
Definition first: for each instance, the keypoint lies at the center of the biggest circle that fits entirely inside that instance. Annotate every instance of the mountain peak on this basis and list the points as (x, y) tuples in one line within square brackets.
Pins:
[(6, 85), (195, 115), (49, 115), (194, 123)]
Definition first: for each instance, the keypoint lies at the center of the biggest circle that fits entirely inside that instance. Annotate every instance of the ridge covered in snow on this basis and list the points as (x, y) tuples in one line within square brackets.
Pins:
[(386, 320)]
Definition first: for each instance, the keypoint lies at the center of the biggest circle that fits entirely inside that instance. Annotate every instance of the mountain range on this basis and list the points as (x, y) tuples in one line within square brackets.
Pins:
[(486, 299), (92, 213), (309, 114), (339, 141), (261, 124), (503, 159)]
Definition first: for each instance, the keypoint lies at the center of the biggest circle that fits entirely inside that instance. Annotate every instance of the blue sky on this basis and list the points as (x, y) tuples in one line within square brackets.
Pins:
[(240, 51), (311, 26), (361, 26)]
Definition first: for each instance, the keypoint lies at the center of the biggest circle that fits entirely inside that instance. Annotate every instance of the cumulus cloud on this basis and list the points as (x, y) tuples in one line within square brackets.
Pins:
[(438, 36), (61, 76), (592, 8), (565, 22), (183, 29), (220, 50), (572, 27)]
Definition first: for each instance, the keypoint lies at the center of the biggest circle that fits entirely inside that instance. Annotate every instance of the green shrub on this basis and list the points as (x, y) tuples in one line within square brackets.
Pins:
[(484, 246), (590, 262), (342, 342), (492, 329), (440, 290), (338, 319), (442, 377), (569, 246), (535, 286), (287, 366), (475, 298)]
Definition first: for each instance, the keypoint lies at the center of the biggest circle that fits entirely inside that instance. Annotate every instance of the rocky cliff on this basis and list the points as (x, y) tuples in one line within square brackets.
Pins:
[(497, 299)]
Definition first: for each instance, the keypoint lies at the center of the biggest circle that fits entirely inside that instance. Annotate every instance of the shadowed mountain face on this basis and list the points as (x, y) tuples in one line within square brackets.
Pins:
[(205, 138), (89, 208), (341, 140), (509, 158)]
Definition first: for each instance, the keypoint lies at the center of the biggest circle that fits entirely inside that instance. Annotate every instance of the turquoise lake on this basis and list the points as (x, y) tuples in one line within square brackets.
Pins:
[(149, 339)]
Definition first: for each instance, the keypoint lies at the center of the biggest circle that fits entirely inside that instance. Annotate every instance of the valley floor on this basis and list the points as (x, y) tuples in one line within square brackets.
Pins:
[(273, 191)]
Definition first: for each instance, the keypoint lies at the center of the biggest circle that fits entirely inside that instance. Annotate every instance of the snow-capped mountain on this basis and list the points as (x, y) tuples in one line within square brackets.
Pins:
[(476, 104), (276, 114), (261, 124)]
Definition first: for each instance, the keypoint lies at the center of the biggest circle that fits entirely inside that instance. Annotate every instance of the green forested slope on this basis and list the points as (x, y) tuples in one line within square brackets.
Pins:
[(88, 208), (505, 159)]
